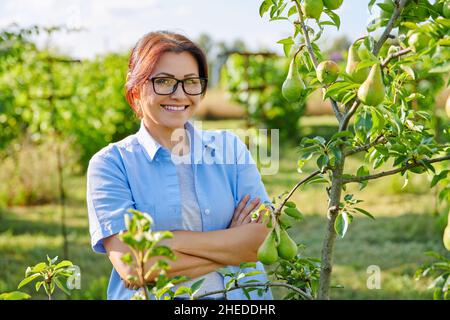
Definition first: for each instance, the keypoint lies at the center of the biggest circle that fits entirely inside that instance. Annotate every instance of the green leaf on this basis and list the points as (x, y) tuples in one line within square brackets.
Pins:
[(252, 273), (196, 285), (63, 264), (445, 68), (294, 213), (15, 295), (183, 290), (28, 280), (341, 134), (364, 212), (290, 204), (39, 267), (378, 121), (292, 10), (341, 223), (348, 197), (409, 71), (247, 265), (38, 285), (240, 276), (230, 284), (439, 177), (225, 272), (362, 172), (61, 286), (317, 179), (246, 293), (322, 161), (265, 6), (336, 19), (287, 40)]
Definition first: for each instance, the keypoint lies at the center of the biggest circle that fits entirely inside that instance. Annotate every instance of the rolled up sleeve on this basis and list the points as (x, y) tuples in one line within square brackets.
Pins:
[(108, 200)]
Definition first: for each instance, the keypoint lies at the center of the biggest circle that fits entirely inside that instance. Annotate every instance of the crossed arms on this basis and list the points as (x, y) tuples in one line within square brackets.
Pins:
[(199, 253)]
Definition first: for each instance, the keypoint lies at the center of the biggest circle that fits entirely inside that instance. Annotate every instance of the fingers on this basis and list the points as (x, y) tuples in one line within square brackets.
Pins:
[(261, 216), (246, 214), (238, 210), (130, 286), (240, 206)]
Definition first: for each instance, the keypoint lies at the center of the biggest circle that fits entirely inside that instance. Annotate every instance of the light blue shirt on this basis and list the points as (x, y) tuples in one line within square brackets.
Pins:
[(138, 173)]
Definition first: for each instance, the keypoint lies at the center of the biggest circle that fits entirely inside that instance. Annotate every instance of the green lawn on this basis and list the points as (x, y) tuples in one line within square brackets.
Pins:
[(405, 227)]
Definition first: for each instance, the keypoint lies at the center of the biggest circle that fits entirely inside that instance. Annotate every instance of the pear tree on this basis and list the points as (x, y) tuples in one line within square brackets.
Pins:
[(375, 102)]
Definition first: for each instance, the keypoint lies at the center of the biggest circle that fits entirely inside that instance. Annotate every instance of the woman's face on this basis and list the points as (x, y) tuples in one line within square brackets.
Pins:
[(155, 107)]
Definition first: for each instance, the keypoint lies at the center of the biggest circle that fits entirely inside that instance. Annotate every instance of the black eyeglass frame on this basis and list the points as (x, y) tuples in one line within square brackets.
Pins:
[(175, 86)]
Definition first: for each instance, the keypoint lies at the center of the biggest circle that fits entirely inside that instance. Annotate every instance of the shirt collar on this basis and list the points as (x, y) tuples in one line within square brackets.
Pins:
[(151, 146)]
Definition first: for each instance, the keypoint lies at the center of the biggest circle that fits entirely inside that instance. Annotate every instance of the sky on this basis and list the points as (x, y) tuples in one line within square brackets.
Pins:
[(116, 25)]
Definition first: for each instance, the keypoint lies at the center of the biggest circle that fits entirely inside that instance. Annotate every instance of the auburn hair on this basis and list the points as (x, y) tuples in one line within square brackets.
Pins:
[(147, 52)]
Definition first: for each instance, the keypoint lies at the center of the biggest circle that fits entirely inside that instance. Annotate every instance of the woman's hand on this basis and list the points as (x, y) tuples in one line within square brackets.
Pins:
[(243, 212)]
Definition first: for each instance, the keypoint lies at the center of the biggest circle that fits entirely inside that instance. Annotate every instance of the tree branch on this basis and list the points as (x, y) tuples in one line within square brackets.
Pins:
[(278, 210), (344, 124), (395, 55), (380, 139), (391, 172), (399, 5), (334, 104), (304, 295)]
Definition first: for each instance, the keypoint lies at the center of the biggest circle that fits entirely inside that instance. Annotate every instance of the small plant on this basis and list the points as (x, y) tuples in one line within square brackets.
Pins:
[(51, 275), (145, 244), (440, 271)]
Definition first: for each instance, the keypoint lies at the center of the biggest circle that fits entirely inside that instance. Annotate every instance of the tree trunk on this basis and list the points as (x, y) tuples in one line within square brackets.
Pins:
[(330, 234)]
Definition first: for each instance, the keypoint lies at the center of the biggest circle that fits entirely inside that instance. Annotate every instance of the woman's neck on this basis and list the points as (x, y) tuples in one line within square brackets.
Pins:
[(164, 135)]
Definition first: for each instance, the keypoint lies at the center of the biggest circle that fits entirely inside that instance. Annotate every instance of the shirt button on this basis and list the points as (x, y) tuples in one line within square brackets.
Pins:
[(206, 211)]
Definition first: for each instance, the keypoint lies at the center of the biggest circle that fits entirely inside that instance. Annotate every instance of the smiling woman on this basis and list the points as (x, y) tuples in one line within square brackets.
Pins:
[(207, 205)]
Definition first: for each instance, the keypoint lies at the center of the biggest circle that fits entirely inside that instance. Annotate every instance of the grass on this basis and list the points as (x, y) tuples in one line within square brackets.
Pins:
[(405, 228)]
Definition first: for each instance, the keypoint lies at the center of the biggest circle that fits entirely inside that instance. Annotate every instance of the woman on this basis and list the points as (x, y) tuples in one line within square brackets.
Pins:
[(202, 186)]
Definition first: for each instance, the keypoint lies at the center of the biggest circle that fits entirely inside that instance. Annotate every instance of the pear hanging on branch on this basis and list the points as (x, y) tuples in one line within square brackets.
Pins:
[(372, 91), (327, 72), (287, 249), (332, 4), (267, 252), (293, 87), (313, 8), (353, 60), (446, 238)]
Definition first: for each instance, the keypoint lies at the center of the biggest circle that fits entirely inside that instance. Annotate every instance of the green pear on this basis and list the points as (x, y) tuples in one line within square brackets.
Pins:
[(446, 9), (293, 86), (372, 91), (287, 249), (418, 41), (332, 4), (327, 71), (267, 252), (352, 63), (313, 8), (363, 52), (446, 237)]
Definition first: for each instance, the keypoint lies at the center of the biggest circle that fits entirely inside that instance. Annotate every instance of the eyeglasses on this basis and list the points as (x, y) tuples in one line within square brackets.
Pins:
[(167, 85)]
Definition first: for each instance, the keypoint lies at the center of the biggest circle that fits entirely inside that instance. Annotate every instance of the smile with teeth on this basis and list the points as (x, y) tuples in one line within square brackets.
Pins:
[(174, 108)]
